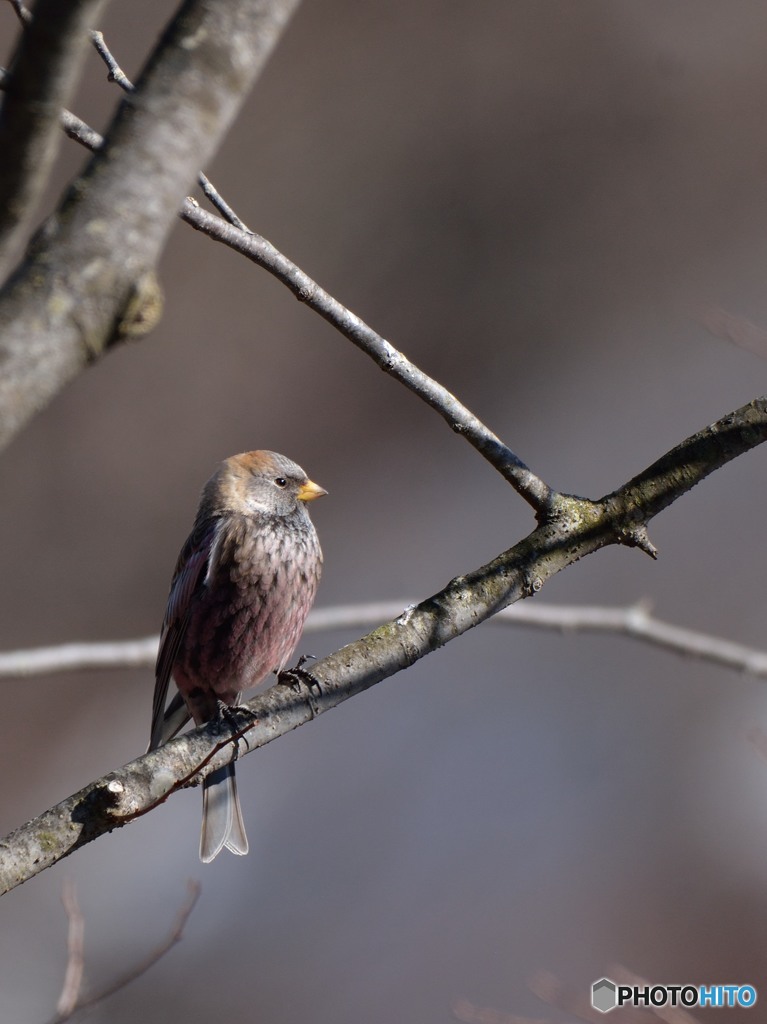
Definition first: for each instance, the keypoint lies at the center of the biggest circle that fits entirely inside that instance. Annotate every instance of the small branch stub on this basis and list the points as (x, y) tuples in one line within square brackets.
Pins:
[(143, 310), (639, 538)]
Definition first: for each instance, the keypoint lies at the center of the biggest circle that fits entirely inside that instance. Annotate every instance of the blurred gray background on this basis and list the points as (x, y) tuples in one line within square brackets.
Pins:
[(534, 200)]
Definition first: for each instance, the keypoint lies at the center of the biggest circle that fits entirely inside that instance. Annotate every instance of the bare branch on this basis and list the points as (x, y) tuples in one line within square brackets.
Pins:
[(456, 415), (75, 657), (239, 237), (72, 126), (22, 11), (634, 621), (43, 74), (73, 978), (78, 130), (79, 288), (221, 204), (637, 621), (116, 73), (577, 528), (686, 465), (175, 935)]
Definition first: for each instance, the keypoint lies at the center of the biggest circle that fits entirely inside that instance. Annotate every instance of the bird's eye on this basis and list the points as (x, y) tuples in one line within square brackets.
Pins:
[(281, 481)]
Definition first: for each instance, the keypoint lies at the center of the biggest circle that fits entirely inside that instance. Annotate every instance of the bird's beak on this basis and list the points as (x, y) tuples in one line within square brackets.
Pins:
[(310, 491)]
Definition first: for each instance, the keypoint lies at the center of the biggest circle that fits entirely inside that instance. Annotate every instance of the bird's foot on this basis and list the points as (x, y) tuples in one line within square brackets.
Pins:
[(228, 715), (298, 676)]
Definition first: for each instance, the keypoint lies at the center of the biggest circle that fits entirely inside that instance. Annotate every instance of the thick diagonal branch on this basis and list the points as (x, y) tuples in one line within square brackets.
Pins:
[(43, 74), (577, 528), (90, 270)]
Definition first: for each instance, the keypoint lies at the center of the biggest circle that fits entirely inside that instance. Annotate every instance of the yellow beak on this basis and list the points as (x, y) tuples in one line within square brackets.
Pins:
[(310, 491)]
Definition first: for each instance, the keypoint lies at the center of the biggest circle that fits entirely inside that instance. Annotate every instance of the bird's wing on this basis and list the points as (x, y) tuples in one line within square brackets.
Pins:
[(188, 580)]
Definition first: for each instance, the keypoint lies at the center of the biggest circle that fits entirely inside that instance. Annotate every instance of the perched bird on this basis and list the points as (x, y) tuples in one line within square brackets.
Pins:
[(243, 586)]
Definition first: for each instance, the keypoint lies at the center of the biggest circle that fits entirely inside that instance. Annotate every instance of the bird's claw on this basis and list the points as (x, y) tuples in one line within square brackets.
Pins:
[(298, 675), (228, 715)]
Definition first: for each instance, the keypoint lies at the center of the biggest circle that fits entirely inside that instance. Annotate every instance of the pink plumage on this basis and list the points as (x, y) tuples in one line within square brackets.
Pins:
[(243, 586)]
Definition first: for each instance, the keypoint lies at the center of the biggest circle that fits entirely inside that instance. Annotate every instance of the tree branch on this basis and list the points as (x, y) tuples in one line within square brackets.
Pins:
[(73, 978), (71, 1004), (117, 75), (389, 359), (75, 657), (43, 74), (80, 288), (635, 621), (236, 235), (266, 255), (576, 528)]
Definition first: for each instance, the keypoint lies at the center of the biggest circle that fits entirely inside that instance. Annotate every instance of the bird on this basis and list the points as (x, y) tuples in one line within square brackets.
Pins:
[(243, 585)]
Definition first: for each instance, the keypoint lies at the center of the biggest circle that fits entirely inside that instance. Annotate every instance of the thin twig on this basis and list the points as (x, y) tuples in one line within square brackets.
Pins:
[(22, 13), (221, 204), (635, 621), (76, 129), (75, 657), (46, 64), (460, 419), (73, 978), (116, 74), (257, 248), (234, 233), (174, 936), (70, 123)]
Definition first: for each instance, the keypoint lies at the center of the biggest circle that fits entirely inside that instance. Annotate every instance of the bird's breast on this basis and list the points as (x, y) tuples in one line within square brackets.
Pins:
[(247, 618)]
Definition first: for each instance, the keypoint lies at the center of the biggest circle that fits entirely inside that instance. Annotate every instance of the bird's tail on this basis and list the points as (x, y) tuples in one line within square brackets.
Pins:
[(221, 816)]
